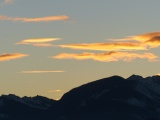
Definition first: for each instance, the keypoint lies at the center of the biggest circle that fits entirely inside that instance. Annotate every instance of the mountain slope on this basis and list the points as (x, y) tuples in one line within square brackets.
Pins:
[(13, 107), (112, 98)]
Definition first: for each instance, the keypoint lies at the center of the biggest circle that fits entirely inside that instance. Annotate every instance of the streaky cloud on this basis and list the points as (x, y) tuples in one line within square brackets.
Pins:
[(43, 45), (6, 2), (42, 71), (142, 37), (108, 56), (153, 42), (147, 36), (112, 46), (150, 40), (41, 19), (7, 56), (53, 91), (140, 42), (37, 40)]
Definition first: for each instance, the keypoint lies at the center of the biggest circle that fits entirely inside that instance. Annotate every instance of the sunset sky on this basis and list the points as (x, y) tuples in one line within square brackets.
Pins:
[(51, 46)]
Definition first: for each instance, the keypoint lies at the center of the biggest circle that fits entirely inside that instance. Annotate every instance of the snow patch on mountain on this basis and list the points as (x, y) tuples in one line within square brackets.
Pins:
[(135, 102), (99, 94), (149, 87)]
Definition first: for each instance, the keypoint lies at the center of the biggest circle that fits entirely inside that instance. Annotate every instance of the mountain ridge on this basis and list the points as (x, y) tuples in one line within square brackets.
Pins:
[(111, 98)]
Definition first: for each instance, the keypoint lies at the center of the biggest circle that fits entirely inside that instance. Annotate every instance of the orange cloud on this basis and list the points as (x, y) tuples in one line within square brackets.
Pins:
[(108, 56), (142, 37), (149, 40), (153, 42), (140, 42), (40, 71), (42, 19), (8, 1), (43, 45), (6, 56), (5, 2), (117, 46), (39, 41)]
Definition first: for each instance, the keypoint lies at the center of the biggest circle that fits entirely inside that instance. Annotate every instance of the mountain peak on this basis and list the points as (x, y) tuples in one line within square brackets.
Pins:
[(135, 77)]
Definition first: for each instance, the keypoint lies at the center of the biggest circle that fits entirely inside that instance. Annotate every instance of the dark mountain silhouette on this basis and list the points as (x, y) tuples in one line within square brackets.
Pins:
[(113, 98), (13, 107)]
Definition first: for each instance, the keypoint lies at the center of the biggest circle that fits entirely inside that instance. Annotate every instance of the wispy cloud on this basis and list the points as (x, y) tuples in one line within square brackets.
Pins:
[(40, 42), (112, 46), (108, 56), (42, 71), (41, 19), (7, 56), (142, 37), (8, 1), (43, 45), (153, 42), (5, 2), (53, 91), (150, 40), (140, 42)]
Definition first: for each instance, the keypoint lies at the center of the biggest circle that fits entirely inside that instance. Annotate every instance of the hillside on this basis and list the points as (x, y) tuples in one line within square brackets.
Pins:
[(112, 98)]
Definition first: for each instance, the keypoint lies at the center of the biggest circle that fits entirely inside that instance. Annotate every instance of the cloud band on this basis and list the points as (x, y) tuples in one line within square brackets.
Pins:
[(108, 56), (41, 19)]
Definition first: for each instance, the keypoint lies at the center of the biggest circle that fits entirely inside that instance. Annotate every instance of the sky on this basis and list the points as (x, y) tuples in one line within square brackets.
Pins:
[(49, 47)]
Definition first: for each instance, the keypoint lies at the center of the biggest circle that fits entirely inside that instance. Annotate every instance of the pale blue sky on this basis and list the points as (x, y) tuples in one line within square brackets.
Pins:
[(90, 21)]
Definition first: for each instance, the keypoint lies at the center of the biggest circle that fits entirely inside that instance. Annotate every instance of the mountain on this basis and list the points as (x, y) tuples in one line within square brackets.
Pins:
[(112, 98), (13, 107)]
